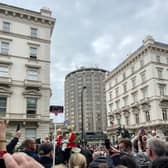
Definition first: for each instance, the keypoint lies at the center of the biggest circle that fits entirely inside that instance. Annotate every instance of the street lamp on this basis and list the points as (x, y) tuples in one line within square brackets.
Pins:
[(82, 114)]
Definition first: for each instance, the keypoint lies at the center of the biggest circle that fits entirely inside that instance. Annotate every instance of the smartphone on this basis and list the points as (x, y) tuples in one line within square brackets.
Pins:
[(2, 163), (18, 127), (107, 143)]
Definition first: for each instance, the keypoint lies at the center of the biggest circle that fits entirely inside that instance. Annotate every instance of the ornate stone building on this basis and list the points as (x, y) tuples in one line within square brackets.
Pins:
[(137, 90), (25, 69)]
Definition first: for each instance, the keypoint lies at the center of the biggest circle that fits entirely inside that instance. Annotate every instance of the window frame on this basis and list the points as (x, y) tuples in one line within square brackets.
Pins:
[(4, 70), (144, 91), (3, 107), (135, 96), (147, 116), (165, 114), (34, 32), (127, 120), (162, 89), (133, 82), (31, 110), (125, 87), (30, 129), (33, 74), (137, 118), (143, 76), (5, 47), (33, 52), (158, 58), (160, 73), (6, 26)]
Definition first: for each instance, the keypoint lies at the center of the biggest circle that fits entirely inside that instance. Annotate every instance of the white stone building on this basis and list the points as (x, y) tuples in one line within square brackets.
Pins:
[(137, 89), (25, 69), (86, 86)]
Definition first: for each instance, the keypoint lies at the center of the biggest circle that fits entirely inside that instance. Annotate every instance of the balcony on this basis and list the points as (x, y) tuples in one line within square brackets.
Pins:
[(135, 105), (20, 117), (5, 80), (164, 98), (144, 100), (125, 108), (157, 122), (32, 83)]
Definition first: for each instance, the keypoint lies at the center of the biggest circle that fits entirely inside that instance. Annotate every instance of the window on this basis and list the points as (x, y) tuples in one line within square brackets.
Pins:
[(34, 32), (31, 106), (144, 92), (4, 71), (141, 63), (143, 76), (33, 74), (133, 82), (162, 88), (111, 95), (158, 58), (147, 115), (124, 76), (125, 87), (117, 104), (160, 70), (33, 52), (4, 47), (125, 100), (118, 121), (3, 104), (135, 97), (116, 91), (116, 80), (30, 133), (6, 26), (137, 118), (127, 120), (111, 107), (164, 113), (132, 69)]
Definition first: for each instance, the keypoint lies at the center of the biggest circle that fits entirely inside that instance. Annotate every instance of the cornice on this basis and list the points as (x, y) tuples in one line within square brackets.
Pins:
[(25, 14), (161, 47)]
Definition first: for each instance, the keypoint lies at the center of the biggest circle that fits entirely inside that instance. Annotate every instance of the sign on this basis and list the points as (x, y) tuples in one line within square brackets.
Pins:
[(56, 109)]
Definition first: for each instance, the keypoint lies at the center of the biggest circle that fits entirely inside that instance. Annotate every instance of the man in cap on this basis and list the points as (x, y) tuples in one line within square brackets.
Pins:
[(46, 154)]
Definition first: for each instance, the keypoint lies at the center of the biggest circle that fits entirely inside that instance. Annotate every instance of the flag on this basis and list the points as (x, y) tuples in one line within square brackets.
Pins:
[(56, 109)]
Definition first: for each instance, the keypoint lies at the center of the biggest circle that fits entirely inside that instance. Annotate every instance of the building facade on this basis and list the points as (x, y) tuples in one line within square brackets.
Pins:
[(85, 94), (137, 90), (25, 69)]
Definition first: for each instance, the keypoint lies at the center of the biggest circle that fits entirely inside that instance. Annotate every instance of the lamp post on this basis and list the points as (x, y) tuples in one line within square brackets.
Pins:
[(82, 114)]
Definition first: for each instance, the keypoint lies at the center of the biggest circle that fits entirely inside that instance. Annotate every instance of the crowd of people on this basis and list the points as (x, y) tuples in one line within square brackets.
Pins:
[(145, 150)]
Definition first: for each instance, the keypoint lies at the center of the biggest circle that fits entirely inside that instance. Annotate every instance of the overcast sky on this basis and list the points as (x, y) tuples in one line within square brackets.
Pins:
[(97, 33)]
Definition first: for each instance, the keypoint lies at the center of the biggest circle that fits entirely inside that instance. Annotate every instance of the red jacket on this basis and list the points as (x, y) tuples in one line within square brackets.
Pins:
[(71, 140), (59, 140)]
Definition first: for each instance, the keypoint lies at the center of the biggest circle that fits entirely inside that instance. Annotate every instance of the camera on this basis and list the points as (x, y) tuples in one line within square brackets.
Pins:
[(107, 143)]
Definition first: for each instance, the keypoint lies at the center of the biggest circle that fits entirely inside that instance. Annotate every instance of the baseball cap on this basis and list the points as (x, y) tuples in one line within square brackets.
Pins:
[(45, 148), (76, 150)]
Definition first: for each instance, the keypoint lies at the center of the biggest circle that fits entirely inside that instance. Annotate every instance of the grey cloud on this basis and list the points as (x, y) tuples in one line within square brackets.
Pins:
[(97, 32)]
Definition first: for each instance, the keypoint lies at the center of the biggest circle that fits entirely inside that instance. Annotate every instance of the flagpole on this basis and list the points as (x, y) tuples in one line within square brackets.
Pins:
[(54, 143)]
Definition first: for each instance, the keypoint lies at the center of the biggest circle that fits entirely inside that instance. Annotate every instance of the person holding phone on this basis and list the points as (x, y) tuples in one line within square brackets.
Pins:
[(16, 160), (12, 144)]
